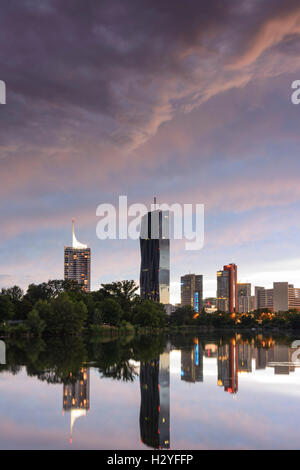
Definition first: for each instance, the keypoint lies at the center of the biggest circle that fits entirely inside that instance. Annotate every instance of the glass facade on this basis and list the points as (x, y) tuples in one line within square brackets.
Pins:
[(155, 257)]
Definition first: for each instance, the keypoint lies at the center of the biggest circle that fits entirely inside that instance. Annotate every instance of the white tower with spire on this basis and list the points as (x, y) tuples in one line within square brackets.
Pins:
[(77, 262)]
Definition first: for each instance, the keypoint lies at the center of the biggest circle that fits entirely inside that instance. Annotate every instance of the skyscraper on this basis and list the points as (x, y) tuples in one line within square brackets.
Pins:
[(192, 291), (78, 262), (155, 256), (227, 289)]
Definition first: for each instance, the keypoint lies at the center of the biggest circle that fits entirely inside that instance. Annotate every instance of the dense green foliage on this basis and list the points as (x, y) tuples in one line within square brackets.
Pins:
[(59, 308), (186, 316), (59, 360)]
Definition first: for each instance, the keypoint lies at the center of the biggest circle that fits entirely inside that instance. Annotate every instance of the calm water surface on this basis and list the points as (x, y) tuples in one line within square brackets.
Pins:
[(192, 392)]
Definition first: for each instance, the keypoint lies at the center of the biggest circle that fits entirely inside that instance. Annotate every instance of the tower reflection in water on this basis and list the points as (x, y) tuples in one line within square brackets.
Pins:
[(76, 397), (228, 366), (233, 357), (155, 402)]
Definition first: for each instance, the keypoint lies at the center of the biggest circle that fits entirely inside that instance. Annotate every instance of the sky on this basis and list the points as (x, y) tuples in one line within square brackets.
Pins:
[(189, 101)]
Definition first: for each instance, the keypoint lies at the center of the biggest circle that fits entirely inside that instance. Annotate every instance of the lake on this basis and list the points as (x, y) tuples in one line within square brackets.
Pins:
[(213, 391)]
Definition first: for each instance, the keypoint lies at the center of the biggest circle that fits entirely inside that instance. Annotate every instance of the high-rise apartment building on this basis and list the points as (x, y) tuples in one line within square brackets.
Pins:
[(227, 289), (77, 263), (155, 256), (192, 291)]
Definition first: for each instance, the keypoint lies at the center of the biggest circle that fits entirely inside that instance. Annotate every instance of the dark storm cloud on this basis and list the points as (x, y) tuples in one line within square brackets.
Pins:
[(129, 65)]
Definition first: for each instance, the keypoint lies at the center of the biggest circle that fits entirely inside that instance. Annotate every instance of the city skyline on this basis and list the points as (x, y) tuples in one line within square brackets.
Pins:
[(171, 100)]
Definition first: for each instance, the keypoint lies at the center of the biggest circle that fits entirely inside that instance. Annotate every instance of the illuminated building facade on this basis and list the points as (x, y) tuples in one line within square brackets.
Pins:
[(227, 289), (77, 263), (155, 256), (192, 291)]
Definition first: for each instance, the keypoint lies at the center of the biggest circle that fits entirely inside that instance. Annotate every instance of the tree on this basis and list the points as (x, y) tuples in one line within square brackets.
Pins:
[(183, 315), (111, 311), (66, 316), (6, 308), (15, 293), (124, 292), (43, 309), (51, 289), (97, 317), (149, 314), (22, 309), (35, 323)]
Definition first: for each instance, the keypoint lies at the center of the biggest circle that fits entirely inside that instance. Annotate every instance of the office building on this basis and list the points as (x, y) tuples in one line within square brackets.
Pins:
[(244, 289), (77, 263), (244, 300), (192, 291), (285, 297), (155, 256), (263, 298), (227, 289)]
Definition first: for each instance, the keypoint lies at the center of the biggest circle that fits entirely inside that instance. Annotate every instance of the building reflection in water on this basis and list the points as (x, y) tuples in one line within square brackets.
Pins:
[(76, 397), (155, 402), (280, 358), (244, 352), (192, 363), (228, 367), (233, 357)]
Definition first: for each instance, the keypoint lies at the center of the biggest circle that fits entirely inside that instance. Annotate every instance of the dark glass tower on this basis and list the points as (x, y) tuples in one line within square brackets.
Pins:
[(155, 256)]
